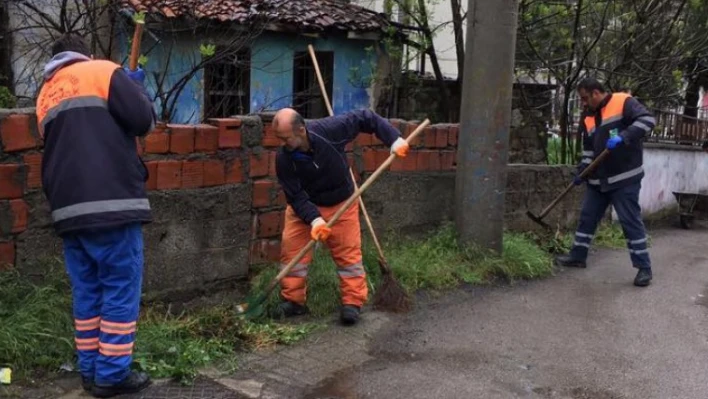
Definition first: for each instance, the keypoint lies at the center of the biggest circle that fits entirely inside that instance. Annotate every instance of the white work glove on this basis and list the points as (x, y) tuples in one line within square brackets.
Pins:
[(320, 231), (400, 147)]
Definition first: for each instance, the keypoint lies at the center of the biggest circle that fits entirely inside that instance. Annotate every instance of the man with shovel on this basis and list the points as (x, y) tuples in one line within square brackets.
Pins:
[(616, 122), (313, 171)]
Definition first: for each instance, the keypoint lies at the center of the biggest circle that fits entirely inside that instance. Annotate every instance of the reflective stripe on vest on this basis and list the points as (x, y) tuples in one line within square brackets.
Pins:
[(80, 85)]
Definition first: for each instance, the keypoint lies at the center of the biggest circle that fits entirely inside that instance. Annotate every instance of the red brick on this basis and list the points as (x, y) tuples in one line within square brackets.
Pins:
[(428, 137), (181, 139), (259, 164), (229, 133), (152, 175), (20, 210), (207, 139), (16, 134), (435, 161), (441, 136), (410, 162), (33, 163), (423, 161), (447, 160), (11, 181), (270, 224), (7, 255), (192, 174), (349, 147), (375, 141), (453, 135), (262, 190), (417, 141), (269, 137), (369, 157), (381, 157), (280, 199), (169, 175), (214, 173), (363, 140), (234, 172), (139, 146), (272, 155), (157, 142)]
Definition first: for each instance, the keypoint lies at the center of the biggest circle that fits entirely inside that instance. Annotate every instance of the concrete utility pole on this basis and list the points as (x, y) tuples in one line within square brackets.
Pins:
[(485, 115)]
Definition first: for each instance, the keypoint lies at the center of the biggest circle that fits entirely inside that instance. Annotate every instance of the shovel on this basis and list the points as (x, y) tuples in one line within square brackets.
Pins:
[(539, 219)]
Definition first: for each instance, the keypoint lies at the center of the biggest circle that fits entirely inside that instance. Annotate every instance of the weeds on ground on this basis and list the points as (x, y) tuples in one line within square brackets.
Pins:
[(36, 332), (436, 263), (608, 235)]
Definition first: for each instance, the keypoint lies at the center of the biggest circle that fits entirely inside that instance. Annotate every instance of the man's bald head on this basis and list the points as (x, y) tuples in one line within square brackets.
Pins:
[(289, 127)]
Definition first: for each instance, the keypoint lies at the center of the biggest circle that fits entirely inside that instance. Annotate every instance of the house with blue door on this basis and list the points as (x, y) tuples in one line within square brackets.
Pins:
[(219, 58)]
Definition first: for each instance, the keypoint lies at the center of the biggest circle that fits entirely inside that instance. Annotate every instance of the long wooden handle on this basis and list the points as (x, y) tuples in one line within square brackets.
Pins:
[(319, 79), (135, 47), (370, 226), (346, 206), (590, 168)]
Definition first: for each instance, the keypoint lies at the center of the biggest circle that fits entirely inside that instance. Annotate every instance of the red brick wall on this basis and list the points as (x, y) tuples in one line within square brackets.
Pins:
[(194, 157)]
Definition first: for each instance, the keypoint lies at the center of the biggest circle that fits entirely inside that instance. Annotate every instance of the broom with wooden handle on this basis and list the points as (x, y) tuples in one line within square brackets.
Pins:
[(390, 296), (254, 306)]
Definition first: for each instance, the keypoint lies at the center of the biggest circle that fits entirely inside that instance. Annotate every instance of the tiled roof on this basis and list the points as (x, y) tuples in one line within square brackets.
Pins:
[(305, 15)]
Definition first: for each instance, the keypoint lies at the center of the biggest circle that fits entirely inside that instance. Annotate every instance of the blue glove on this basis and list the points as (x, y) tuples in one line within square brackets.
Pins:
[(613, 142), (137, 75)]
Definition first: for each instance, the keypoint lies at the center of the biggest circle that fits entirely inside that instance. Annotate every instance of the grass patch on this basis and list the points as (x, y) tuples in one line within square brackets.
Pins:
[(435, 263), (36, 324), (36, 332), (553, 152)]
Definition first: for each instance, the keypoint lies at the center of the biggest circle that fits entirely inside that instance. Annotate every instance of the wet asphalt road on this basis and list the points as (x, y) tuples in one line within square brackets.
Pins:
[(582, 334)]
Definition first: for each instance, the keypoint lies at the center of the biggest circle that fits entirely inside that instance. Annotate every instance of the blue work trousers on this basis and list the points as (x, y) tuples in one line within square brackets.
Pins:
[(625, 201), (105, 268)]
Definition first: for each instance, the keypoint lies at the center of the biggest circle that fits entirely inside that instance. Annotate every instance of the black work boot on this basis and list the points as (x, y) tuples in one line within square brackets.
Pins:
[(643, 277), (87, 383), (133, 383), (567, 261), (289, 309), (349, 315)]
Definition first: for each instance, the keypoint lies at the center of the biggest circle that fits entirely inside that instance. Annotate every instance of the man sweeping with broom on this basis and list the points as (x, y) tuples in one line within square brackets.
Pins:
[(313, 171)]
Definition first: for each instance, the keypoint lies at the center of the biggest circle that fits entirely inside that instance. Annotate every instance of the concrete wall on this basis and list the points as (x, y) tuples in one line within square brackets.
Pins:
[(671, 168), (217, 205)]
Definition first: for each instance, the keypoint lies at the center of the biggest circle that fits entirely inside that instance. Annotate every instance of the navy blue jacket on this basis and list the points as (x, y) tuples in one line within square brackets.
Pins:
[(621, 114), (321, 177), (89, 113)]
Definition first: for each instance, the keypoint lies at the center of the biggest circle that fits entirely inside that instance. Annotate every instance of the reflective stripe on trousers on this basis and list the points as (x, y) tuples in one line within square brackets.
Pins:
[(105, 270), (625, 201), (345, 246)]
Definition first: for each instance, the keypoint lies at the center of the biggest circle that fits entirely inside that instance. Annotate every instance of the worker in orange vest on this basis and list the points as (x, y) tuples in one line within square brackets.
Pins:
[(89, 113), (313, 171), (619, 123)]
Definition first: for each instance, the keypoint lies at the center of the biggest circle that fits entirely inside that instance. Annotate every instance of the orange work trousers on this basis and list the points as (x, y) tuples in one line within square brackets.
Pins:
[(345, 245)]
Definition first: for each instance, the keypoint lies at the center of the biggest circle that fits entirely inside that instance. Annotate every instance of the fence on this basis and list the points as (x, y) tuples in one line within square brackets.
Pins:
[(676, 128)]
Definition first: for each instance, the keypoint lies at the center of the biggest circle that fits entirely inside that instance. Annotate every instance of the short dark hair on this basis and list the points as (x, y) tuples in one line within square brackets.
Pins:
[(70, 42), (590, 85), (298, 121)]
